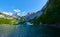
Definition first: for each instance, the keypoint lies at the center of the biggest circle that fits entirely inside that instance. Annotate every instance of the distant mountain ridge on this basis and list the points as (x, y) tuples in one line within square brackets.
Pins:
[(33, 15)]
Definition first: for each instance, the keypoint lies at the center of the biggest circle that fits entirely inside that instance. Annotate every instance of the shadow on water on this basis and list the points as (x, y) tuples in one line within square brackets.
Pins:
[(29, 31)]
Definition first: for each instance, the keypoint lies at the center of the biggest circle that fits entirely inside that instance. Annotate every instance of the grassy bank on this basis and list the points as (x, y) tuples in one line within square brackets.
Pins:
[(8, 21)]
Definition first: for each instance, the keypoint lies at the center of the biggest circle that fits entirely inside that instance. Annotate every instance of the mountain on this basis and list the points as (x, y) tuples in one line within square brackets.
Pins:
[(7, 19), (33, 15), (51, 14)]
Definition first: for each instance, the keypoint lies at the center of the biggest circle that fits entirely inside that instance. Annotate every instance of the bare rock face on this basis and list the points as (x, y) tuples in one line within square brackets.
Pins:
[(33, 15)]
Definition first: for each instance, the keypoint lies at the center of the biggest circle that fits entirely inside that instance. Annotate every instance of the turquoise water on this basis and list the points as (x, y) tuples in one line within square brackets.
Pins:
[(29, 31)]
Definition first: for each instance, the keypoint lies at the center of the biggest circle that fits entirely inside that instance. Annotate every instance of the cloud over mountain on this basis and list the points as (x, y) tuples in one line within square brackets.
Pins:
[(16, 10), (8, 13)]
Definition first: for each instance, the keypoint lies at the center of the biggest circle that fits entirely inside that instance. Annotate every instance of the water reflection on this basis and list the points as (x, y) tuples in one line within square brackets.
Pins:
[(6, 30), (28, 31)]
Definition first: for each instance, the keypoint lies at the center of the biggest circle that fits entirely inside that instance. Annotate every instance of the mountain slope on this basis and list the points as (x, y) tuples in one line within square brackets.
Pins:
[(51, 13), (33, 15), (7, 19)]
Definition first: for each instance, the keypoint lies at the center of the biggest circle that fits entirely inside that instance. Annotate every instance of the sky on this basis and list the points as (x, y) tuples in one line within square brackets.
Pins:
[(22, 7)]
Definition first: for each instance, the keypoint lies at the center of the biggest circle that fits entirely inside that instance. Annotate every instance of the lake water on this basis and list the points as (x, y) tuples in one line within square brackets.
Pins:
[(28, 31)]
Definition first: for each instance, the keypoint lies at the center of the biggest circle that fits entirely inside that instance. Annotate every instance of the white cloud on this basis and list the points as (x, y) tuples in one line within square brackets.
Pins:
[(8, 13), (16, 10), (19, 12)]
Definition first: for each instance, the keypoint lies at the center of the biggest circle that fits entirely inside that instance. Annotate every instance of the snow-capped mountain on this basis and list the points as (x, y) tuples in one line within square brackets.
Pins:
[(14, 14), (3, 15), (33, 15)]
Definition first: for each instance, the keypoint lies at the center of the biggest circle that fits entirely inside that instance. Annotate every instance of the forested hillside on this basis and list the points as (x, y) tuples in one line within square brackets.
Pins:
[(51, 14)]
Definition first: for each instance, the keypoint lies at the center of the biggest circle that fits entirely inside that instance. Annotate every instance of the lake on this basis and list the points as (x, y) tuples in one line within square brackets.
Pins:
[(28, 31)]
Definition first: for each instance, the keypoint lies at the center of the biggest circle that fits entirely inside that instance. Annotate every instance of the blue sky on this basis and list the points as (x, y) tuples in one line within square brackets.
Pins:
[(23, 6)]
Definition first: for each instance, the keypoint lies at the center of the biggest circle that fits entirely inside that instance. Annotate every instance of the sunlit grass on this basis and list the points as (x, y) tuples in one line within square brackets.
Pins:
[(8, 21)]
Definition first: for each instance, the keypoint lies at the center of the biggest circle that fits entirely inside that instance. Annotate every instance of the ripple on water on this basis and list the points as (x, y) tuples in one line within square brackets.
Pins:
[(5, 30)]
